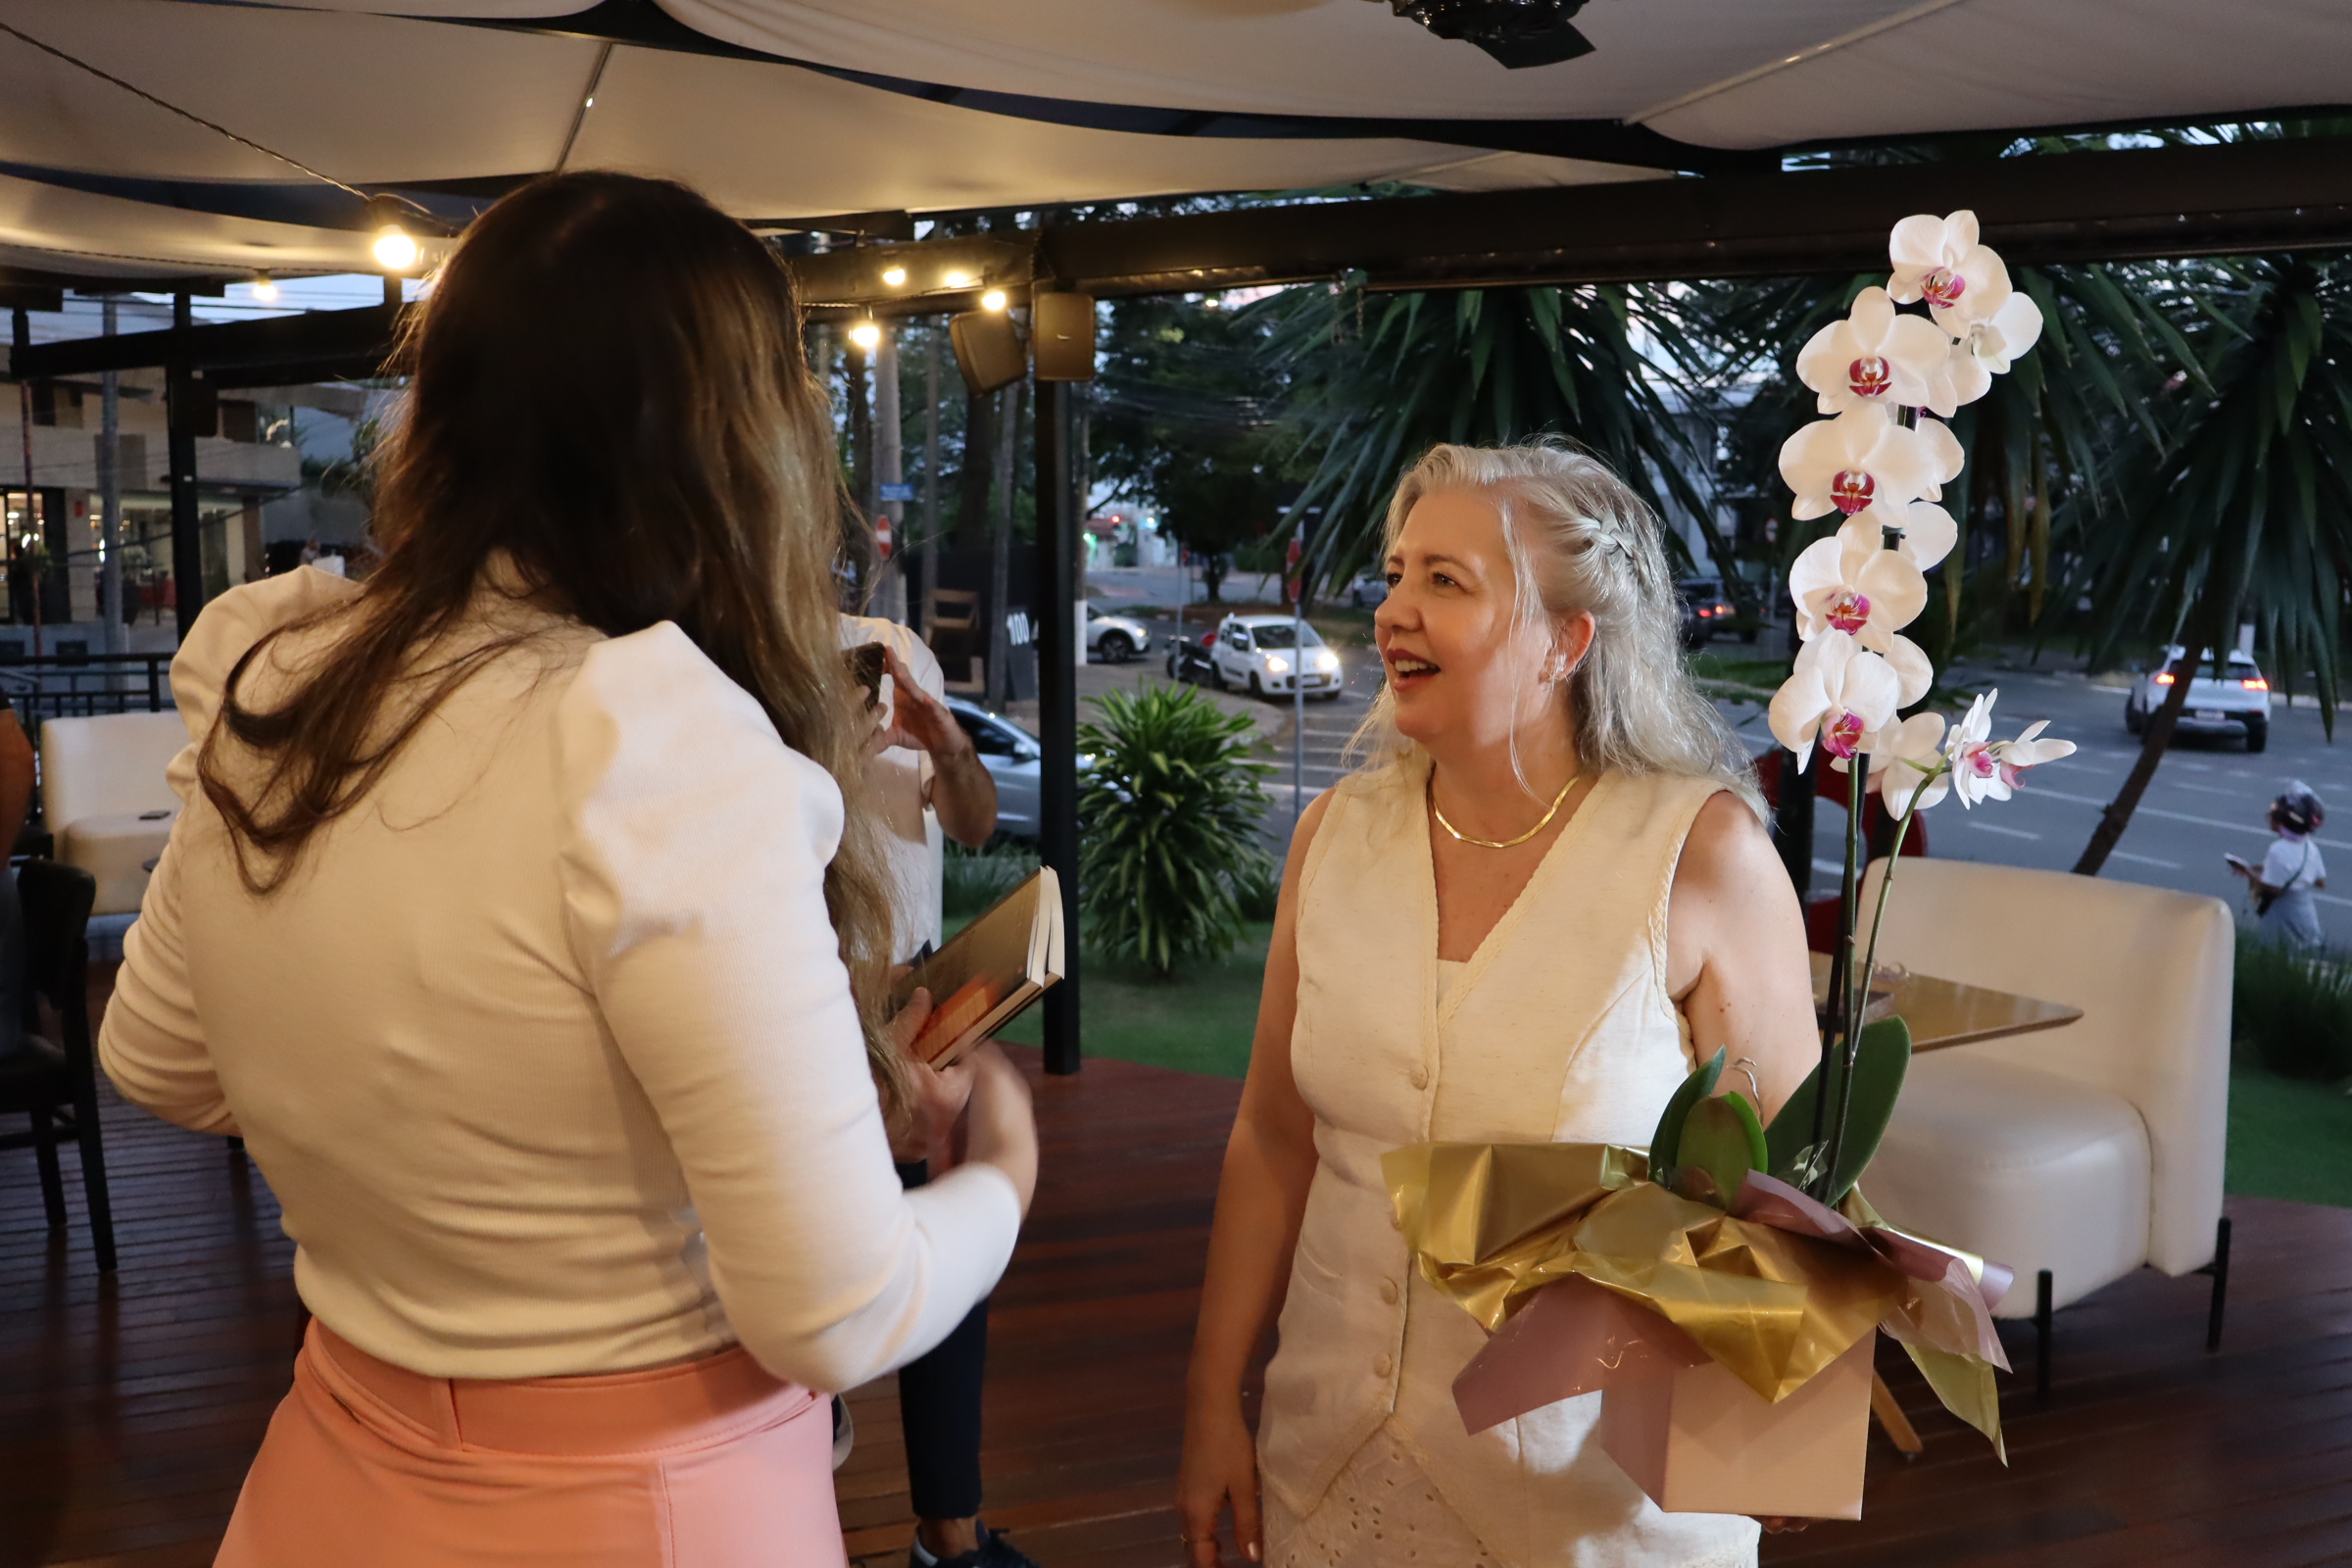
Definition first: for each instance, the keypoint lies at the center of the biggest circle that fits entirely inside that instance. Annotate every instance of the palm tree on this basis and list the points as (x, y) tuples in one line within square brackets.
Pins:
[(1376, 379), (2249, 509)]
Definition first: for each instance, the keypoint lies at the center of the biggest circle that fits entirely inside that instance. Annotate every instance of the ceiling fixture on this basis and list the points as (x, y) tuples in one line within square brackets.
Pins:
[(993, 300), (958, 279), (1519, 34), (867, 335), (265, 288), (894, 276), (395, 247)]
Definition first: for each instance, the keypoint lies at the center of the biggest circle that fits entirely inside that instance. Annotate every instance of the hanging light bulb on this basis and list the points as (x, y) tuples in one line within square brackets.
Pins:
[(866, 334), (993, 300), (265, 288), (394, 249), (894, 276)]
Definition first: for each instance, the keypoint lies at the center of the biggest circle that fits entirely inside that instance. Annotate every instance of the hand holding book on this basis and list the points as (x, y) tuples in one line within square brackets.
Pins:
[(938, 1095), (992, 970)]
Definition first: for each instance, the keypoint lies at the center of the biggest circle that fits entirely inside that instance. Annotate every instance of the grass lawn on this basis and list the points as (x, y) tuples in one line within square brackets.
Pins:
[(2290, 1138)]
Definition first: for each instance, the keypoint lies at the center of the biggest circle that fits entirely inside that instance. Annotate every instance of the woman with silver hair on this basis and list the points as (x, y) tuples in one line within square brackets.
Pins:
[(1545, 897), (2285, 885)]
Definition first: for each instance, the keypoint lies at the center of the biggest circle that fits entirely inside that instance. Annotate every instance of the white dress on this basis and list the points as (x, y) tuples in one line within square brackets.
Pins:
[(1560, 1028)]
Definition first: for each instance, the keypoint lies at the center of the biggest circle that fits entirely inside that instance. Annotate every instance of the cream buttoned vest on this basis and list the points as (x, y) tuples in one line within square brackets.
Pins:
[(1559, 1029)]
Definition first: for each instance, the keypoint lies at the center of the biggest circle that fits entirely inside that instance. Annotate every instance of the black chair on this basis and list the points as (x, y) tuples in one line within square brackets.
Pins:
[(56, 1082)]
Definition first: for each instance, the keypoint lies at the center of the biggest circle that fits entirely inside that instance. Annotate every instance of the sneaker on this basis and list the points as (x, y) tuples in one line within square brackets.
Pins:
[(845, 1432), (993, 1551)]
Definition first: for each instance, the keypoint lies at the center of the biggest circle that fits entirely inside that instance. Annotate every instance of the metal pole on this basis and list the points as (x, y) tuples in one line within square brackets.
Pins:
[(110, 496), (889, 470), (32, 512), (1057, 599), (182, 399), (930, 471), (1298, 695)]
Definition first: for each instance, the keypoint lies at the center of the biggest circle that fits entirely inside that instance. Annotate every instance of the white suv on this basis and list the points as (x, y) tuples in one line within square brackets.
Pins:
[(2221, 699), (1260, 652)]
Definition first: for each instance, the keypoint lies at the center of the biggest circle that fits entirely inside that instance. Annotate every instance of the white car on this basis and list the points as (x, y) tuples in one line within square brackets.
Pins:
[(2221, 701), (1114, 639), (1260, 652)]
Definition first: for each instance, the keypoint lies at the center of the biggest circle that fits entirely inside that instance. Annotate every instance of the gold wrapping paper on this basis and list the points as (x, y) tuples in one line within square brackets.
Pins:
[(1773, 1294)]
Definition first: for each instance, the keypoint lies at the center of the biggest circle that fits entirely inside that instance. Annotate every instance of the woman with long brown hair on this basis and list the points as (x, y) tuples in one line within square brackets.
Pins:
[(517, 922)]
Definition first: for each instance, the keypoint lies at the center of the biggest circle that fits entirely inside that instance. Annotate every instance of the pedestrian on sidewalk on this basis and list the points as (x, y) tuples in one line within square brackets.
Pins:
[(2283, 888)]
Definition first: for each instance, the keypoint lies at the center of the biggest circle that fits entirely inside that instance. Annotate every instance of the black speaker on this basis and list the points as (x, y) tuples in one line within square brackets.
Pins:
[(1061, 332), (988, 349)]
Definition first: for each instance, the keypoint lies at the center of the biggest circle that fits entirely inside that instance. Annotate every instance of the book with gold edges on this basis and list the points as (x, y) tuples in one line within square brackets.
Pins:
[(990, 972)]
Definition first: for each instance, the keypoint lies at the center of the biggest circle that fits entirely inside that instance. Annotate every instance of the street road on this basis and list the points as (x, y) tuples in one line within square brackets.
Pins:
[(2209, 797)]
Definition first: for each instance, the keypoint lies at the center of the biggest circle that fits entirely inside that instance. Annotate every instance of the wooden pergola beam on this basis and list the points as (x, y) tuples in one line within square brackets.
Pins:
[(2077, 207)]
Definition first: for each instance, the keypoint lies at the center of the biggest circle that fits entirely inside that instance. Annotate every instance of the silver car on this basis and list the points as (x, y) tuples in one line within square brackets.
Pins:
[(1011, 755), (1114, 639), (2222, 700)]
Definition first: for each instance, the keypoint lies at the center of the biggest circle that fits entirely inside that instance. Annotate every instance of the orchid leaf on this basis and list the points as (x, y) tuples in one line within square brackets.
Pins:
[(1722, 1137), (1880, 1062), (1666, 1142)]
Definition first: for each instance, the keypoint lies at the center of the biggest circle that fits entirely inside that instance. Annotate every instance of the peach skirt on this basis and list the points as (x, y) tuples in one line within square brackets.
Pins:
[(707, 1464)]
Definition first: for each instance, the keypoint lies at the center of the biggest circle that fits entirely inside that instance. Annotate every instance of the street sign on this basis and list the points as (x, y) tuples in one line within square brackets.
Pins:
[(897, 492)]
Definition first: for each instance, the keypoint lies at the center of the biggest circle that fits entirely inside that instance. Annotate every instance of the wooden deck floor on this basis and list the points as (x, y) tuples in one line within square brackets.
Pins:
[(129, 1411)]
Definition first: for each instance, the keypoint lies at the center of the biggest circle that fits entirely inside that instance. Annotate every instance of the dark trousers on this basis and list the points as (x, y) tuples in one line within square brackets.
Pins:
[(938, 1406)]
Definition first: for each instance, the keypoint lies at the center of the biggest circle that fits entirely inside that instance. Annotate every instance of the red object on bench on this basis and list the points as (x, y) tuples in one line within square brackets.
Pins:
[(1878, 831)]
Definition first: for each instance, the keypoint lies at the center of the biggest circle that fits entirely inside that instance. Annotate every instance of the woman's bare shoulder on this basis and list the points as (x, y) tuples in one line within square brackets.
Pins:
[(1727, 848)]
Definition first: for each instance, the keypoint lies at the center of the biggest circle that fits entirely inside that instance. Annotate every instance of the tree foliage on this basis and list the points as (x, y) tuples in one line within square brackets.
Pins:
[(1377, 379), (2246, 513), (1183, 416)]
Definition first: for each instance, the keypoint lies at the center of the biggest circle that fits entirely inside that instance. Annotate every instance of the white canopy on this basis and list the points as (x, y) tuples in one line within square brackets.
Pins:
[(783, 108)]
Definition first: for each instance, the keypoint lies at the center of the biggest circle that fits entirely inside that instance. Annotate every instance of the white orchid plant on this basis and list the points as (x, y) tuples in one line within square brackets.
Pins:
[(1880, 455)]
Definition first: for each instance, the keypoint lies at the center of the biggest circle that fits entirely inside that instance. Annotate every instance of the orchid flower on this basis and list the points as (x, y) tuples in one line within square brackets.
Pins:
[(1926, 531), (1939, 260), (1914, 674), (1944, 453), (1861, 458), (1986, 769), (1991, 347), (1838, 693), (1856, 586), (1876, 357), (2011, 758), (1908, 759)]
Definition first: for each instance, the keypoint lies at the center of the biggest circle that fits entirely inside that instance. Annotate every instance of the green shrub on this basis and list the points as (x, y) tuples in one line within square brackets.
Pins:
[(1168, 824), (2291, 1008), (973, 879), (1257, 887)]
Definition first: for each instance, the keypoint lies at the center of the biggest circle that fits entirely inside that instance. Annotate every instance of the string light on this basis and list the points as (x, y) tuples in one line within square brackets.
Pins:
[(866, 334), (894, 276), (265, 288), (993, 300), (394, 249)]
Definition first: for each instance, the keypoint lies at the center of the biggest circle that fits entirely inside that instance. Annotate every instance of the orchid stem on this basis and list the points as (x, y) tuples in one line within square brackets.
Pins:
[(1846, 1013), (1868, 972)]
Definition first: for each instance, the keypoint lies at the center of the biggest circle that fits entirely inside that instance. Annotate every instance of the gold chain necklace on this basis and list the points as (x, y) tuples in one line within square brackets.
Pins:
[(1504, 844)]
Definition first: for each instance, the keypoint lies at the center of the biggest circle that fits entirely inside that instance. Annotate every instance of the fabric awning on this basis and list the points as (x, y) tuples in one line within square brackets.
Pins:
[(785, 108)]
